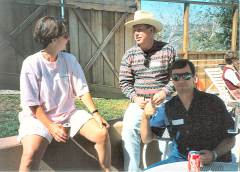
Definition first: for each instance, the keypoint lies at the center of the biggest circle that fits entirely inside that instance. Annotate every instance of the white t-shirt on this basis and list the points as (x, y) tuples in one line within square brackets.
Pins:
[(53, 85), (231, 76)]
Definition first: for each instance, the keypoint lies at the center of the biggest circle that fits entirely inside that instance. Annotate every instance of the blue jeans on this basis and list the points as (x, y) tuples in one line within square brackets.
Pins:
[(175, 156), (131, 137)]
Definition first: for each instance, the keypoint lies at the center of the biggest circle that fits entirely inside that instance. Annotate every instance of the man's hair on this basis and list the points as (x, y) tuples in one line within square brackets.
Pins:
[(147, 26), (151, 26), (230, 56), (181, 63), (48, 28)]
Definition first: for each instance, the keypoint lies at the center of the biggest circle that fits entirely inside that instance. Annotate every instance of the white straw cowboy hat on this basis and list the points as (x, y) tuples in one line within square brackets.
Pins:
[(144, 17)]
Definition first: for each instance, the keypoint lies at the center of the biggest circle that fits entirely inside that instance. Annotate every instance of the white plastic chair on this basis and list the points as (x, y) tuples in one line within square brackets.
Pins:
[(165, 148)]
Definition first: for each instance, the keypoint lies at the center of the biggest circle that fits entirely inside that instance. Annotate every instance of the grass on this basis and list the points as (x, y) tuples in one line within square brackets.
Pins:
[(10, 106)]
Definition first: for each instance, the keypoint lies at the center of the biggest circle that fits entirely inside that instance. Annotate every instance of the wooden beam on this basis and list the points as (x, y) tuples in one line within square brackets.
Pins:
[(234, 29), (96, 42), (185, 29), (138, 4), (14, 33), (236, 3), (103, 5), (27, 21), (73, 31), (104, 43), (109, 92)]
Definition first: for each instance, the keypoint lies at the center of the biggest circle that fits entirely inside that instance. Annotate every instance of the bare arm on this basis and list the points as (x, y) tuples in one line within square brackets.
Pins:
[(225, 146), (207, 156), (57, 130), (146, 132), (88, 102)]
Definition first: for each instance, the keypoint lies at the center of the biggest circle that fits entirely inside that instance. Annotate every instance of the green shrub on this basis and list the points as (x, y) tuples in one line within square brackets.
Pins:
[(10, 106)]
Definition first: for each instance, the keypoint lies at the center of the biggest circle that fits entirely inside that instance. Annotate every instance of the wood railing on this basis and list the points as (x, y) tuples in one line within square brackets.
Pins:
[(203, 60)]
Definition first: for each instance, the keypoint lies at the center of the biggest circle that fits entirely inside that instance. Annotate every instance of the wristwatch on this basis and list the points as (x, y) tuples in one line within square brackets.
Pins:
[(94, 111), (215, 155)]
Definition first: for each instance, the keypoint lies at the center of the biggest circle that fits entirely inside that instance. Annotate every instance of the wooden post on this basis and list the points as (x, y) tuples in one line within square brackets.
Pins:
[(138, 4), (185, 29), (234, 29)]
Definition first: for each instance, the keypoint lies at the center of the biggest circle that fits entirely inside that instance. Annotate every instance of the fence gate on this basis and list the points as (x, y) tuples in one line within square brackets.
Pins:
[(98, 38)]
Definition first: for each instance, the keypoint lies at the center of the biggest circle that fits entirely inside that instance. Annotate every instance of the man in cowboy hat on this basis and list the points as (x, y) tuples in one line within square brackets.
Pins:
[(143, 76)]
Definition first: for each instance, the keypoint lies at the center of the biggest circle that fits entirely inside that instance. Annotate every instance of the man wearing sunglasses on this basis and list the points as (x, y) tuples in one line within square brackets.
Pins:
[(196, 121), (143, 75)]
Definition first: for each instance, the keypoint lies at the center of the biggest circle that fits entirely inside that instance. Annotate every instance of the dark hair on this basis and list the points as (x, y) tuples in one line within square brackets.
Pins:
[(181, 63), (230, 56), (48, 28)]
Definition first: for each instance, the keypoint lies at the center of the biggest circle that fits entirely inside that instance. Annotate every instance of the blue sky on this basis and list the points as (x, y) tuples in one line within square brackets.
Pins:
[(164, 11), (171, 16), (168, 13)]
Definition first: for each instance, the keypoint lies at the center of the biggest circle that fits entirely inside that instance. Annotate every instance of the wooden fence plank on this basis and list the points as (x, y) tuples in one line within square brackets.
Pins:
[(104, 43), (108, 24), (96, 42), (105, 91), (99, 5), (119, 46), (85, 44), (129, 41), (73, 31), (97, 29)]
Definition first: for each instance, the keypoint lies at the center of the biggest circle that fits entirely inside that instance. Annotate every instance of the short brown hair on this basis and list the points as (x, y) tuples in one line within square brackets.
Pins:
[(181, 63), (230, 56), (48, 28)]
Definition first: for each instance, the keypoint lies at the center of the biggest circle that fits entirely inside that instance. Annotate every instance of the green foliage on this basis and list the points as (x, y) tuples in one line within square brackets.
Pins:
[(108, 108), (212, 28), (9, 109)]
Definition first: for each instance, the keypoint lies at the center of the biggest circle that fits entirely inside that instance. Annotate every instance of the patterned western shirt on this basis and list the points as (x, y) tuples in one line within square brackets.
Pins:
[(146, 73), (203, 126)]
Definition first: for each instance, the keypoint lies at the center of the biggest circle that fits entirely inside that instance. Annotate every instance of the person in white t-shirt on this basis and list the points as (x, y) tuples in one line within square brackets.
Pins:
[(231, 75), (50, 81)]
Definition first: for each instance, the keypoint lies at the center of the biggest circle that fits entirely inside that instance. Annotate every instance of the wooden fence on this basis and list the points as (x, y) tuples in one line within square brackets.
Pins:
[(98, 39)]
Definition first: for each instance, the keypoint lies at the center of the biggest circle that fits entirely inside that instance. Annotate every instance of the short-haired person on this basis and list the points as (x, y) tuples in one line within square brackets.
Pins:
[(196, 121), (231, 75), (143, 75), (50, 81)]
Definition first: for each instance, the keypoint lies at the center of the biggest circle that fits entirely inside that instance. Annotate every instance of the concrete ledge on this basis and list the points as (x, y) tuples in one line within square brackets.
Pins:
[(10, 153), (68, 157), (8, 142), (60, 156)]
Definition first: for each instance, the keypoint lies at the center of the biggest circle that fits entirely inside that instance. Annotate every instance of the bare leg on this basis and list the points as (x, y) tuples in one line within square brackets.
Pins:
[(34, 147), (100, 137)]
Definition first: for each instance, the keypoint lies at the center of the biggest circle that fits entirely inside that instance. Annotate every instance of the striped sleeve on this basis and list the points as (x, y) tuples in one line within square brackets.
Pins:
[(126, 78), (169, 88)]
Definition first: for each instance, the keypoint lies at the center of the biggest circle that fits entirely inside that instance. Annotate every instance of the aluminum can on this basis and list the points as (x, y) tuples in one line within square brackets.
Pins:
[(67, 127), (194, 161)]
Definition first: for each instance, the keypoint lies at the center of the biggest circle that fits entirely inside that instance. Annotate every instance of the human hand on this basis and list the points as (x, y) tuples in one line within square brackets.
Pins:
[(206, 157), (58, 132), (149, 109), (159, 97), (140, 101), (101, 121)]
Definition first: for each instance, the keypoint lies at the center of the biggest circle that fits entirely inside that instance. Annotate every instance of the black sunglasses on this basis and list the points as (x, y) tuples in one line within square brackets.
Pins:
[(185, 76), (147, 60)]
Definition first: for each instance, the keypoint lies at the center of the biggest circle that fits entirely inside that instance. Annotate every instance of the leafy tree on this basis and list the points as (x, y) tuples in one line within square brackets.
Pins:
[(213, 28)]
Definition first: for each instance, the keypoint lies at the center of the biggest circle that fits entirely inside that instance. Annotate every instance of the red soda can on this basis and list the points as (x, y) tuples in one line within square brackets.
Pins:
[(193, 161)]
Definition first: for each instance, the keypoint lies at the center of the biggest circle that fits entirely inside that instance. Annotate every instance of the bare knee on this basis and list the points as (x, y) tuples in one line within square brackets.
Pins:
[(102, 136)]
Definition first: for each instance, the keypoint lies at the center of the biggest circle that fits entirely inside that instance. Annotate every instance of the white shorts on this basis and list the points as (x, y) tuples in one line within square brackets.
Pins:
[(32, 126)]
